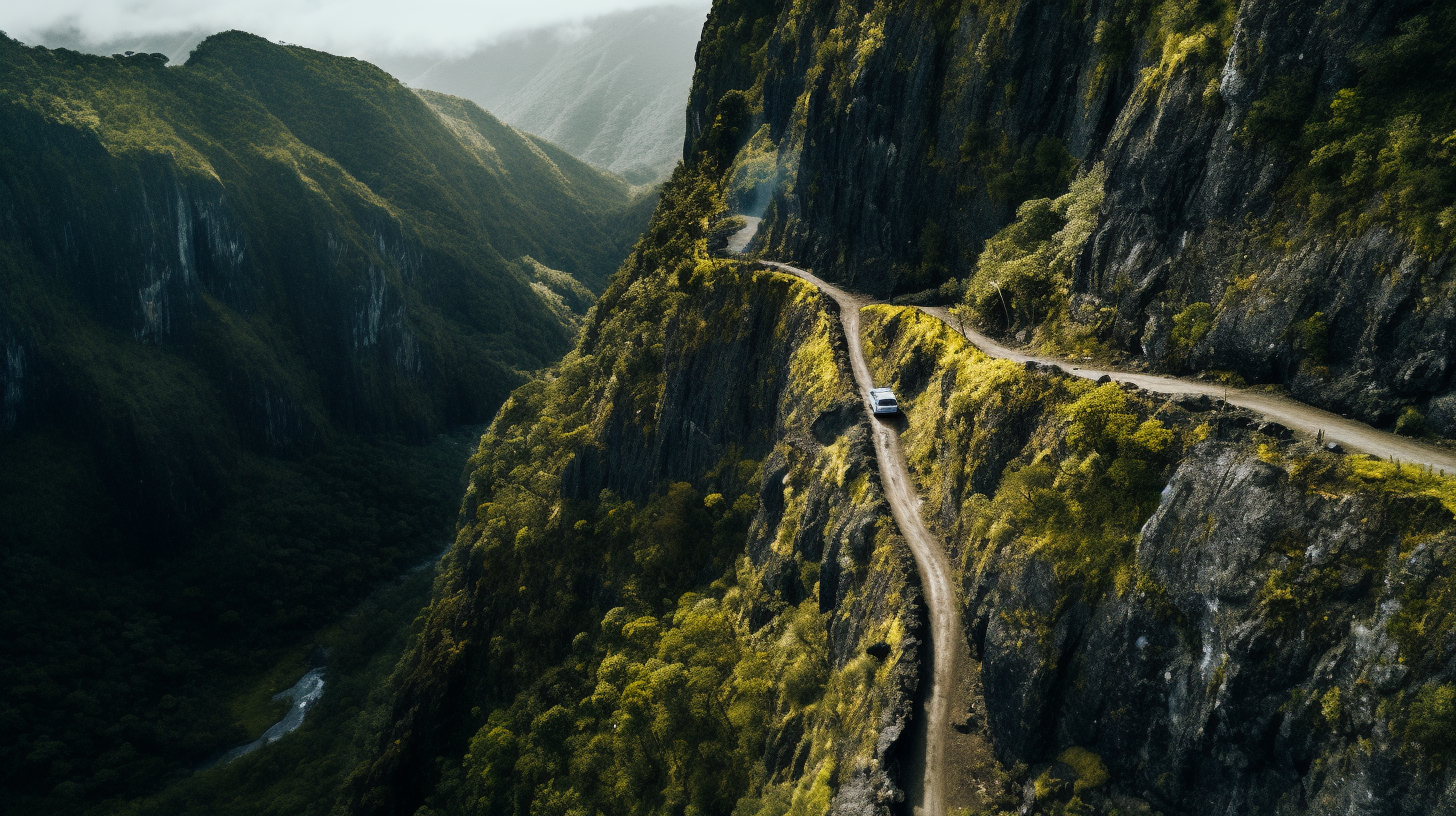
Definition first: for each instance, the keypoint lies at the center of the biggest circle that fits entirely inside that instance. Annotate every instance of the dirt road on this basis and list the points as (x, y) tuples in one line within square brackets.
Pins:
[(1304, 419), (927, 791)]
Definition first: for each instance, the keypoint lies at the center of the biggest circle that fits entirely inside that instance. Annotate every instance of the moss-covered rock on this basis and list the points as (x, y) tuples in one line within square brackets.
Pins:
[(1220, 618)]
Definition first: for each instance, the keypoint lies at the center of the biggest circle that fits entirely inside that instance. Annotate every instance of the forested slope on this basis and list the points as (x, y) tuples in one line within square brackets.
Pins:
[(1270, 184), (228, 291)]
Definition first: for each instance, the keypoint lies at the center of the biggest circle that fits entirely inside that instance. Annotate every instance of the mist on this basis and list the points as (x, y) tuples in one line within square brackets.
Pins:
[(358, 28)]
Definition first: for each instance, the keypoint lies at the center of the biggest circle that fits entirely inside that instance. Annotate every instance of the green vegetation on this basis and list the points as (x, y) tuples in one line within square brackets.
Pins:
[(1023, 277), (120, 675), (1312, 337), (1190, 326), (1332, 707), (1185, 36), (1075, 494), (1377, 152), (1024, 466), (301, 774), (1091, 772), (755, 174), (1432, 721), (629, 644), (241, 286), (1012, 174), (1410, 423)]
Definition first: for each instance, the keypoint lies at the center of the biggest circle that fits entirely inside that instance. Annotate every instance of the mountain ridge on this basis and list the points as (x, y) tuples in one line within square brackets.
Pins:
[(229, 291)]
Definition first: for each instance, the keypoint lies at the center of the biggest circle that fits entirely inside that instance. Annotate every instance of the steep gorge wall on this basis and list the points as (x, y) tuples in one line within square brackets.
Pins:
[(886, 142)]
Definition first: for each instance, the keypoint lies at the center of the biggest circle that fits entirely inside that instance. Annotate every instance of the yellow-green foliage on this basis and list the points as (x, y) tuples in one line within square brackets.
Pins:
[(1088, 765), (757, 170), (1190, 326), (1023, 277), (1378, 151), (1366, 472), (121, 115), (1079, 490), (1432, 721), (1188, 36), (663, 702), (1331, 706), (1010, 173)]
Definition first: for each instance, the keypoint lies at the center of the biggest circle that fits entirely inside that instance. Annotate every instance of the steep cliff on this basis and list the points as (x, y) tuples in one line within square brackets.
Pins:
[(1174, 610), (1171, 606), (1274, 185), (674, 585)]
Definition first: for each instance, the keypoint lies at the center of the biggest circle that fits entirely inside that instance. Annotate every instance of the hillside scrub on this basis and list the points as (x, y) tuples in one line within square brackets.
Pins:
[(121, 677), (1066, 469), (669, 568), (1278, 164), (1023, 277), (1379, 151)]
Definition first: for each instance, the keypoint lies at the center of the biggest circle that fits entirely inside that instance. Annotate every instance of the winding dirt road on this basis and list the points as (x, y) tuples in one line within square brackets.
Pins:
[(1301, 418), (927, 792)]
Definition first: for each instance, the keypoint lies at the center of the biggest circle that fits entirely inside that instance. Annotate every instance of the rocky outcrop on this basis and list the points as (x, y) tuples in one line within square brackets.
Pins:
[(1270, 632), (1188, 217), (1253, 669)]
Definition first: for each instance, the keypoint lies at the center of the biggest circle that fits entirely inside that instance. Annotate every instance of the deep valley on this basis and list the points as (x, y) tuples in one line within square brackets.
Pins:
[(1158, 519)]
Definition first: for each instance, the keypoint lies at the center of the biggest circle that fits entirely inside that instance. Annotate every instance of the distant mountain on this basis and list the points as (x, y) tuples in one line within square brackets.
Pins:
[(220, 284), (611, 93), (282, 196)]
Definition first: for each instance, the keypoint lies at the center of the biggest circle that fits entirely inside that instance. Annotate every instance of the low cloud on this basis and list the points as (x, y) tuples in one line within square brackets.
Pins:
[(351, 27)]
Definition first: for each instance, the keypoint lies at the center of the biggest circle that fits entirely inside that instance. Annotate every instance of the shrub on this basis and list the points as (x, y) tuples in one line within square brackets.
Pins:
[(1088, 765), (1432, 721), (1190, 326), (1331, 706), (1311, 337), (1410, 423)]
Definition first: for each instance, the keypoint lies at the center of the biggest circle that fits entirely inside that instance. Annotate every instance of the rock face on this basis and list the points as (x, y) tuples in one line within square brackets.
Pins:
[(1275, 637), (889, 141), (1207, 689)]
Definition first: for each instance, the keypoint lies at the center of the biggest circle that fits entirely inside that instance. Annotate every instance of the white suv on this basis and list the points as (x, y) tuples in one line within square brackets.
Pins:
[(883, 401)]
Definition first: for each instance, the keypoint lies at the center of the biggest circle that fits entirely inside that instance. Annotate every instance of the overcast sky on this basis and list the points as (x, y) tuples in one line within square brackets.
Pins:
[(351, 27)]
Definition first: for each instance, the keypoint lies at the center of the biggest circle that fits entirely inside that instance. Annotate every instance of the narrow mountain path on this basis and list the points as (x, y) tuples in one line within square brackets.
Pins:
[(927, 793), (1302, 418)]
